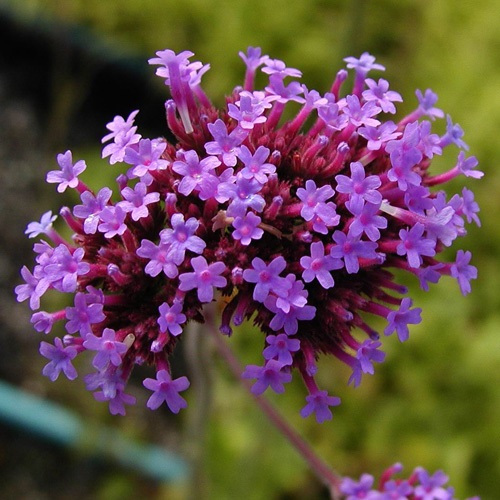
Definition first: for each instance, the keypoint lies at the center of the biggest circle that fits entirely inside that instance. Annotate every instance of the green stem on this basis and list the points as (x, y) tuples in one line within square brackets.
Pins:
[(324, 473)]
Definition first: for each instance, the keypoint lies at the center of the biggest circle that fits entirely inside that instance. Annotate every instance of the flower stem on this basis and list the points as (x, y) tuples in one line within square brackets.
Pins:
[(324, 473)]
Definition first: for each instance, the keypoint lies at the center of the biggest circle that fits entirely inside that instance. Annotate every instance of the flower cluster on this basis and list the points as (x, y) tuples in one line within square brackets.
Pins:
[(296, 223), (419, 486)]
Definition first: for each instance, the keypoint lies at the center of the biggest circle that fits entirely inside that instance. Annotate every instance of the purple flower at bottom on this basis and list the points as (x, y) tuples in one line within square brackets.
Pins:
[(117, 401), (367, 353), (109, 350), (318, 403), (166, 390), (399, 320), (60, 359), (271, 374)]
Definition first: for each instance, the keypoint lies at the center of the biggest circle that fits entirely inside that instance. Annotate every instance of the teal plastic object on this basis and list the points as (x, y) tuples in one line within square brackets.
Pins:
[(59, 425)]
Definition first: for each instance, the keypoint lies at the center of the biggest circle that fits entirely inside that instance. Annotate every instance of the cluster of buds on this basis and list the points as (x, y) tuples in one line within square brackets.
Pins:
[(296, 223), (419, 486)]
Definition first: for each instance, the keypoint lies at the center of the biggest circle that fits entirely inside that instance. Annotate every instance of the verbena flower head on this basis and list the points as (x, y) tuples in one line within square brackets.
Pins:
[(419, 486), (298, 223)]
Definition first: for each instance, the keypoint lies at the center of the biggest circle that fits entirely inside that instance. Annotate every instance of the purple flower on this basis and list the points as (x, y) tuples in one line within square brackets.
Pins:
[(364, 64), (123, 133), (466, 166), (414, 246), (160, 258), (269, 375), (60, 359), (253, 58), (181, 237), (319, 265), (314, 207), (284, 93), (361, 114), (278, 67), (34, 229), (117, 401), (380, 94), (453, 135), (318, 403), (366, 221), (177, 72), (426, 103), (405, 154), (225, 145), (351, 248), (68, 175), (367, 353), (469, 207), (400, 319), (109, 350), (171, 317), (377, 136), (359, 186), (396, 490), (196, 174), (43, 321), (166, 390), (247, 112), (91, 208), (246, 228), (112, 221), (429, 143), (281, 348), (120, 126), (244, 194), (204, 278), (266, 277), (463, 272), (88, 310), (255, 166), (137, 199), (30, 289), (146, 157), (287, 314), (295, 296), (430, 486), (357, 489), (64, 268)]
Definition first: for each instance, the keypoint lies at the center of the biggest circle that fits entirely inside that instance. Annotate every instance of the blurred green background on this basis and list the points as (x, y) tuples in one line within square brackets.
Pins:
[(435, 402)]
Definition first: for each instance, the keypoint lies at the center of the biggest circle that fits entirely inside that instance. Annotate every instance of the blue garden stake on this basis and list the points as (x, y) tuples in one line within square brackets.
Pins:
[(59, 425)]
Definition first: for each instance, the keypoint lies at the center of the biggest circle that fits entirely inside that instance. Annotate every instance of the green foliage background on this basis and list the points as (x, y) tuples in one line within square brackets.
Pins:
[(436, 401)]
